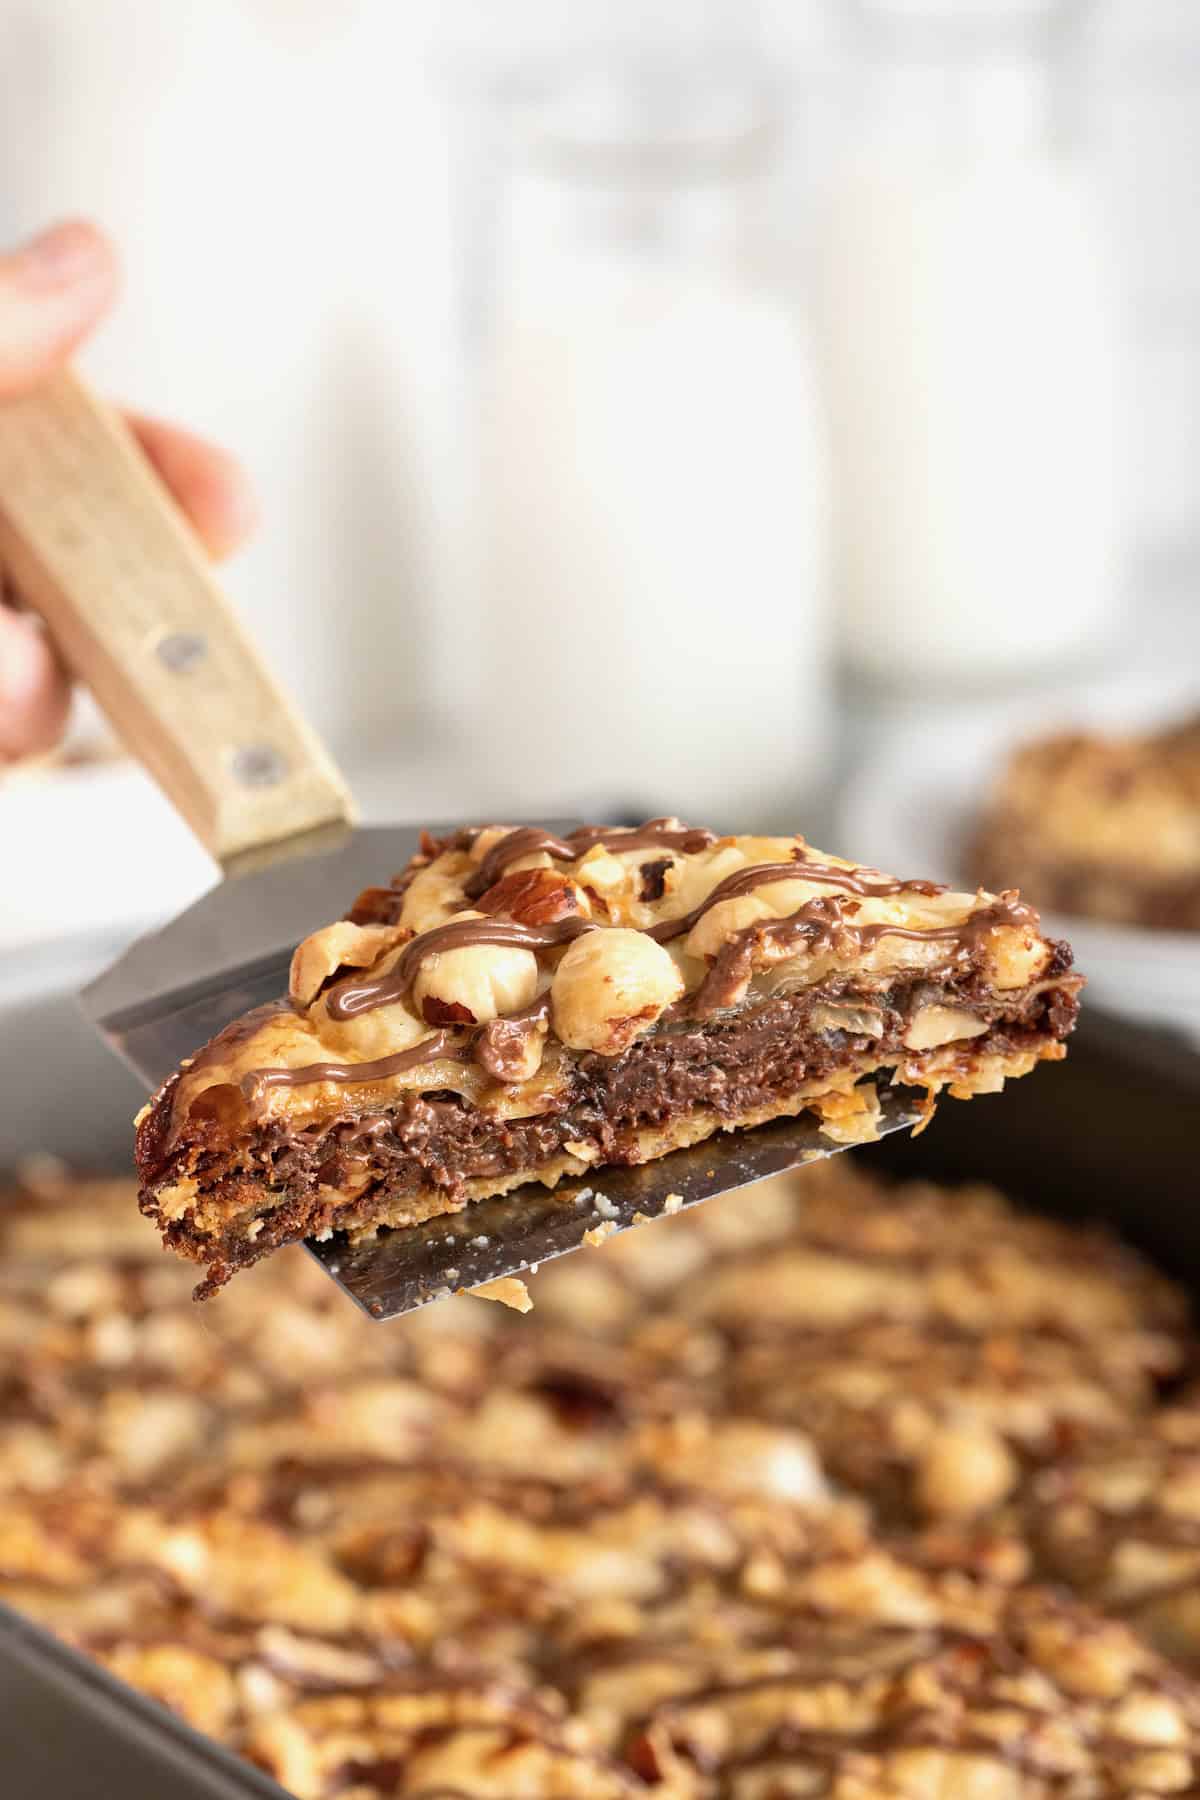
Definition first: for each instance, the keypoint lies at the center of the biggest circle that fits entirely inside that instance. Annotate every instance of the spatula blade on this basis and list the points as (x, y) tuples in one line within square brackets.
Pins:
[(397, 1272), (173, 989)]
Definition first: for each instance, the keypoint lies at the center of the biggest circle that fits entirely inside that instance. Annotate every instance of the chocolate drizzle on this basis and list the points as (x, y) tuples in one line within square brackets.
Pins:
[(744, 881), (528, 840), (822, 925), (429, 1050), (359, 995), (501, 1044)]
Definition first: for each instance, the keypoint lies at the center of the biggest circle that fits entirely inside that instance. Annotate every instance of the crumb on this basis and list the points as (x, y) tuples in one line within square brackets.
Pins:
[(607, 1208), (673, 1204), (641, 1218), (596, 1236), (508, 1290)]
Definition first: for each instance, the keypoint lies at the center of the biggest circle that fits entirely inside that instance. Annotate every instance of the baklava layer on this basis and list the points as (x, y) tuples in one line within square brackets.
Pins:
[(519, 1007), (1104, 827)]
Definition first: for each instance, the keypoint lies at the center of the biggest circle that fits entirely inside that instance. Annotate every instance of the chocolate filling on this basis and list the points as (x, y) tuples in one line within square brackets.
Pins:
[(439, 1140)]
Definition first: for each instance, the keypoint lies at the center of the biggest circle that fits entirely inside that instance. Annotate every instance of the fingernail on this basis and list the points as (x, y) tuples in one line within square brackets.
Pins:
[(65, 256)]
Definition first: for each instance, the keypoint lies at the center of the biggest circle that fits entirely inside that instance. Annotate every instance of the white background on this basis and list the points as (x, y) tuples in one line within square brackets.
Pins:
[(299, 195)]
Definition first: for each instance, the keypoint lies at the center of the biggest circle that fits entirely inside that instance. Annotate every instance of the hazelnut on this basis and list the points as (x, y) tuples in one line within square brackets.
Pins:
[(773, 900), (964, 1470), (432, 896), (340, 946), (376, 906), (611, 986), (510, 1051), (1150, 1719), (601, 870), (534, 897), (937, 1025), (486, 840), (1016, 955), (474, 984), (1159, 1771)]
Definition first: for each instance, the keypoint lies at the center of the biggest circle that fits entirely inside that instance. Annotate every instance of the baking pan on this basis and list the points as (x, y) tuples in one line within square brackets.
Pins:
[(1112, 1133), (69, 1731), (1108, 1134)]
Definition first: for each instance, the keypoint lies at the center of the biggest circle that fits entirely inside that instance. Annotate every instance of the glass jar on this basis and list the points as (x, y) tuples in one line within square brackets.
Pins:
[(651, 493), (967, 328)]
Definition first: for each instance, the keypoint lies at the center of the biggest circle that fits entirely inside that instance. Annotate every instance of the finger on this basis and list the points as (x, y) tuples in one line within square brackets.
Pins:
[(34, 692), (210, 485), (52, 292)]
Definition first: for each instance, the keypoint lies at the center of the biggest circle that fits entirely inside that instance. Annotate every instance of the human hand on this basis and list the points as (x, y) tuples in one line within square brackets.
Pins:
[(53, 292)]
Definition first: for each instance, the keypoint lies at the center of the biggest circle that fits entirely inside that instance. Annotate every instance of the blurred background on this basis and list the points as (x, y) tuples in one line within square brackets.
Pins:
[(739, 410)]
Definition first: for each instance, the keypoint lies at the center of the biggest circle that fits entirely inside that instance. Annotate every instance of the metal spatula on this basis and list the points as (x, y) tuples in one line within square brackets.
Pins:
[(94, 543)]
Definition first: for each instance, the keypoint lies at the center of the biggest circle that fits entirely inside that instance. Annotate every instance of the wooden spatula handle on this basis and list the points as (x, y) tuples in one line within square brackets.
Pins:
[(94, 543)]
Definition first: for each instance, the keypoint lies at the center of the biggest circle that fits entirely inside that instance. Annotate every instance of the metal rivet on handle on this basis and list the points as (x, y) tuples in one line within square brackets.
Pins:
[(258, 765), (182, 650)]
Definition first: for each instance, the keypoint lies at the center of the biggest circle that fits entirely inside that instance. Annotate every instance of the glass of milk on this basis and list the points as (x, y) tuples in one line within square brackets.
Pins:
[(651, 492), (969, 345)]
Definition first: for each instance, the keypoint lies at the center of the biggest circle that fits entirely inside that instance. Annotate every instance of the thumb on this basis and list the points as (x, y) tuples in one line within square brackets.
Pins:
[(52, 291)]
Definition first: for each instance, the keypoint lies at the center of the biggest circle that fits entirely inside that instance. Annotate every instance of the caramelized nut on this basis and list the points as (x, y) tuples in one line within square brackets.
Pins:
[(935, 1025), (432, 897), (478, 982), (534, 897), (965, 1470), (340, 946), (510, 1050), (610, 987)]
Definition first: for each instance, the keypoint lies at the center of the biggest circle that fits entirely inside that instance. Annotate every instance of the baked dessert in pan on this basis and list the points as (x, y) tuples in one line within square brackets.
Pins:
[(568, 1554), (1120, 1520), (1105, 827), (516, 1007)]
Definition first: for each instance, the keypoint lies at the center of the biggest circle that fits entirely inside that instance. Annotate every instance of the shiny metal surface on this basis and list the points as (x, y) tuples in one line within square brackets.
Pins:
[(397, 1272), (70, 1731), (173, 989)]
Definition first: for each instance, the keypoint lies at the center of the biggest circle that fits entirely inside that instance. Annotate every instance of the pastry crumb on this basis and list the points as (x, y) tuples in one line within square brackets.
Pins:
[(507, 1290), (673, 1204), (597, 1235)]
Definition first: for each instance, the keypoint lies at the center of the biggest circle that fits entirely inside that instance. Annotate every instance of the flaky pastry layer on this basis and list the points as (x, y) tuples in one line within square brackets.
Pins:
[(517, 1006)]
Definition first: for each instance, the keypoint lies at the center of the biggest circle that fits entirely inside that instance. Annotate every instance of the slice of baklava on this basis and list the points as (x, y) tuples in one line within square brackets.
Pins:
[(1105, 827), (520, 1007)]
